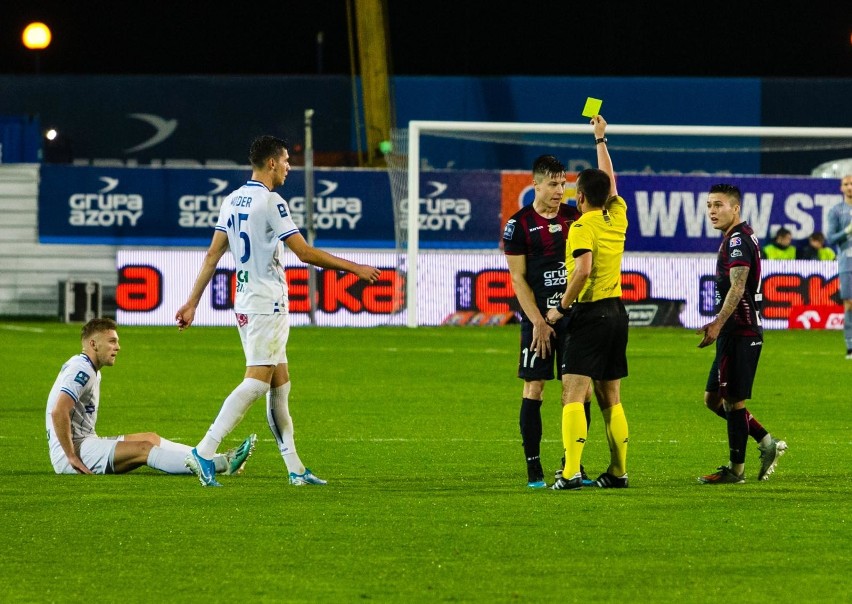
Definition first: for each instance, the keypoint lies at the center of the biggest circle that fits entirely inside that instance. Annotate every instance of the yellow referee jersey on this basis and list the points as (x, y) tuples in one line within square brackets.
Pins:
[(603, 232)]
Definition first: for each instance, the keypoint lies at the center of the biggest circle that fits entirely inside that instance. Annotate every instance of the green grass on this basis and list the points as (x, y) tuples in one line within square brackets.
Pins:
[(416, 431)]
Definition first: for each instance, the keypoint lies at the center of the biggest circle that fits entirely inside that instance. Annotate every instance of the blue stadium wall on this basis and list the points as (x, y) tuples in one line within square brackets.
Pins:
[(201, 120)]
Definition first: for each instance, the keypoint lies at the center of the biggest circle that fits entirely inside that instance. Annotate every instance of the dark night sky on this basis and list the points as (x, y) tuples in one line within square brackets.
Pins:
[(624, 38)]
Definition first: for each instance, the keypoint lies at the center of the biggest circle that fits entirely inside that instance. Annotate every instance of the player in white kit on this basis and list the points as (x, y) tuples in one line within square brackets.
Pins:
[(72, 412), (254, 222)]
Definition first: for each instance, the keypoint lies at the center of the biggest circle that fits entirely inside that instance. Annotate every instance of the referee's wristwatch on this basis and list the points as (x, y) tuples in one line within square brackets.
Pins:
[(561, 309)]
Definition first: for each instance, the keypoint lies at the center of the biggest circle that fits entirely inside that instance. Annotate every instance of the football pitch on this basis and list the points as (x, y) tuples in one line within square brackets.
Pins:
[(416, 431)]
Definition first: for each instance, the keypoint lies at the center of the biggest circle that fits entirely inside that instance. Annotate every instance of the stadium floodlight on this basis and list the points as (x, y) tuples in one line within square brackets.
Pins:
[(405, 172)]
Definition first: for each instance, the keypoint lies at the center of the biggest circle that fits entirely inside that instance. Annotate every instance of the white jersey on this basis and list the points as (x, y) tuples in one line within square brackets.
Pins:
[(839, 218), (257, 221), (79, 380)]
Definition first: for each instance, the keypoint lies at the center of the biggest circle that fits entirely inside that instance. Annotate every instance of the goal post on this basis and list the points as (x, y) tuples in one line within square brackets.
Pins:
[(418, 128)]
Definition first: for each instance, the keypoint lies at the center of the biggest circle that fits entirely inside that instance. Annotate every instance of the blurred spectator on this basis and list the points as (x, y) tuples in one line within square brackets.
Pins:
[(815, 249), (780, 248)]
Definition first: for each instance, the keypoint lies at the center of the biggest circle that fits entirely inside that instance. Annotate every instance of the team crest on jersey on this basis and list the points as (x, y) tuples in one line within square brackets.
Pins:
[(509, 230), (554, 228), (82, 378), (735, 241), (242, 320)]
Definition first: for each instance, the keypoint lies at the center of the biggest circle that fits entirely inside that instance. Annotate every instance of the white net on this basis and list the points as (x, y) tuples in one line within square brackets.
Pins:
[(427, 148)]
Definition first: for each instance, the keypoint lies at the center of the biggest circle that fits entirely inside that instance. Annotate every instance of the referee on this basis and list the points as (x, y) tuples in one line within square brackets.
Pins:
[(596, 345)]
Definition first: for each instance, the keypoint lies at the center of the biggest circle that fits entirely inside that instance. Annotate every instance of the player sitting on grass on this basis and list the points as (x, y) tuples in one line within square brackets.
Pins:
[(72, 411)]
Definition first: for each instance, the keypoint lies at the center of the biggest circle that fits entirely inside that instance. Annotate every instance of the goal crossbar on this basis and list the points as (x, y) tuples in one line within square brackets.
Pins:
[(418, 127)]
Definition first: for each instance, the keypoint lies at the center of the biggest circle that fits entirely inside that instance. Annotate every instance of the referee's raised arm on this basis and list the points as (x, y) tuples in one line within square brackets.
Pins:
[(604, 160)]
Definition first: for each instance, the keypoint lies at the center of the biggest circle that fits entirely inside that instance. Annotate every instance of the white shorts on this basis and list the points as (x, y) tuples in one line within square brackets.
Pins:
[(264, 338), (96, 452)]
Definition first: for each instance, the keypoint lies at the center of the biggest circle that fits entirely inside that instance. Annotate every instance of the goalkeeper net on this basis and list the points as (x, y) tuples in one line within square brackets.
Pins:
[(429, 150)]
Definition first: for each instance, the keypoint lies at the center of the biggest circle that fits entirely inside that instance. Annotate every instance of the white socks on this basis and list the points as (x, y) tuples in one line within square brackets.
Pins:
[(281, 424), (233, 410), (173, 446), (169, 457), (167, 460)]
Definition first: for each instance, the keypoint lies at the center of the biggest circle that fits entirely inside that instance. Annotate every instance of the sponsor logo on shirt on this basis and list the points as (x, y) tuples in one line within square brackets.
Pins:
[(736, 254), (509, 230), (82, 378), (735, 241)]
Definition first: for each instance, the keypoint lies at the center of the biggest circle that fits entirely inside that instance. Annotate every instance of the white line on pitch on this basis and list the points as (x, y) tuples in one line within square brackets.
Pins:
[(19, 328)]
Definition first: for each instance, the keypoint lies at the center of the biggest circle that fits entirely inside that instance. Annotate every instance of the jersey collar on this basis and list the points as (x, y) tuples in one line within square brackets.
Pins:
[(256, 183)]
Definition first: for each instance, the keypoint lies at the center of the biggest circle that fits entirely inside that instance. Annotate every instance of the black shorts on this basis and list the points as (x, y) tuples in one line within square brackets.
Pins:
[(596, 344), (533, 367), (733, 370)]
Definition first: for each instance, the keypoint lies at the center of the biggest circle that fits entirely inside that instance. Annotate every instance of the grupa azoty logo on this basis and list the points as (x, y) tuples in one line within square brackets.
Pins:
[(201, 211), (440, 212), (332, 210), (105, 207)]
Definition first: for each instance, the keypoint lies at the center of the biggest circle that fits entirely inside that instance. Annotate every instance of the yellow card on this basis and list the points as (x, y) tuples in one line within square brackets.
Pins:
[(592, 108)]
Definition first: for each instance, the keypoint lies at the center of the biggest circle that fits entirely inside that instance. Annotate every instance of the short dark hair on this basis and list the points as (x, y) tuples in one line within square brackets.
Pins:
[(96, 326), (264, 147), (817, 236), (782, 232), (547, 165), (595, 185), (729, 190)]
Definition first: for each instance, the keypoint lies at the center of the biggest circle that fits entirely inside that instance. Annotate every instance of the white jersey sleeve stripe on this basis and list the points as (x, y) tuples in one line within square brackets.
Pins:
[(70, 393)]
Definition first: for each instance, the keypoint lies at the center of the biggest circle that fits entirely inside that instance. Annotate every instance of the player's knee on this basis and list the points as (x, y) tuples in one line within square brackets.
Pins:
[(534, 389), (712, 400), (151, 437), (256, 388), (131, 454)]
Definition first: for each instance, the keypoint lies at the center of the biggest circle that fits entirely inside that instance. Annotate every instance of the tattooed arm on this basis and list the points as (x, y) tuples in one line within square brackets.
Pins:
[(739, 274)]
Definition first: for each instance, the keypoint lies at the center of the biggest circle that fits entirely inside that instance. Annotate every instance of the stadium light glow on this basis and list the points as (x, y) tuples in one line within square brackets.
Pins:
[(36, 36)]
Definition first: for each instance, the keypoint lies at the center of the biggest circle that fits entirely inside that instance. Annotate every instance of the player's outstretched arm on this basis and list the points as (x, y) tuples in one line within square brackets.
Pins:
[(185, 315), (317, 257)]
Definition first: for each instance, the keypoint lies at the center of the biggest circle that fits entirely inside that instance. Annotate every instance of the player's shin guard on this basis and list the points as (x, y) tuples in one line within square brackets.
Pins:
[(574, 433), (617, 436), (232, 412), (281, 424), (173, 446), (737, 435), (530, 424), (169, 461)]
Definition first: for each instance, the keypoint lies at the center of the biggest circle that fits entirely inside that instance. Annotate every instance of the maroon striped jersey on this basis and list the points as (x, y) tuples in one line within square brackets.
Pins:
[(740, 247), (542, 241)]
